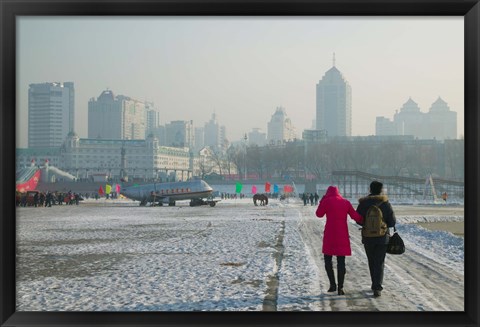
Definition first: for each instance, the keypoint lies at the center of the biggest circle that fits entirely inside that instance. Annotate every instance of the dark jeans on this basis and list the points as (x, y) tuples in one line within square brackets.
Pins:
[(376, 262)]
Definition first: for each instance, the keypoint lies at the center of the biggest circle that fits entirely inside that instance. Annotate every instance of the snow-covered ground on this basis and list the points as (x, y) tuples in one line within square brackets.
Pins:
[(116, 256)]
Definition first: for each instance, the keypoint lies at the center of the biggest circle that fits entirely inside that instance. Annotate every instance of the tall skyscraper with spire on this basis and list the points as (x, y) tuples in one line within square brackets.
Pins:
[(334, 104)]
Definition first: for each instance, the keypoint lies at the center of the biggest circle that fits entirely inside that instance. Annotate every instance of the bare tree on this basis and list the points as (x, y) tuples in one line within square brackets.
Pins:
[(204, 167), (230, 160), (218, 159), (454, 159), (255, 160), (236, 157)]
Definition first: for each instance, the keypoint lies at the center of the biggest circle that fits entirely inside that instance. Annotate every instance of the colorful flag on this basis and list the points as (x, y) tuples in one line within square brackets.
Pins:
[(288, 189), (239, 187), (117, 188), (275, 188), (100, 190), (108, 189), (254, 189), (267, 187)]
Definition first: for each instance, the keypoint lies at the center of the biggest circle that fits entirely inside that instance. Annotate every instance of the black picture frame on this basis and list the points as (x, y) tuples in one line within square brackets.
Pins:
[(10, 9)]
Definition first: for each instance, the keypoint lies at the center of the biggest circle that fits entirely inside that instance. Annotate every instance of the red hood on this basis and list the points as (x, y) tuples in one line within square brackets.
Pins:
[(333, 191)]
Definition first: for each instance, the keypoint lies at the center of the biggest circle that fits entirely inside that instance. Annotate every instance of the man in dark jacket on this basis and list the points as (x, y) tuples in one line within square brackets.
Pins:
[(376, 247)]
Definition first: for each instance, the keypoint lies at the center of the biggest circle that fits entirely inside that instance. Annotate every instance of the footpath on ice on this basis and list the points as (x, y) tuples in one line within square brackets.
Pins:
[(117, 256)]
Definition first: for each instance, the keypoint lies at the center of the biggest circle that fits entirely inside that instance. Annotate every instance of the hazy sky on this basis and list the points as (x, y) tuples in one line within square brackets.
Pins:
[(243, 68)]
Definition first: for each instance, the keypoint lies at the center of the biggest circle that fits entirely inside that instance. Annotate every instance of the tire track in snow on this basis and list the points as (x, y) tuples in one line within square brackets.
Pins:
[(416, 282), (271, 297)]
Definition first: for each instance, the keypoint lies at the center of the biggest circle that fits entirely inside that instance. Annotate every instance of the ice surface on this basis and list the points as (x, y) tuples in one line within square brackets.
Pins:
[(112, 255)]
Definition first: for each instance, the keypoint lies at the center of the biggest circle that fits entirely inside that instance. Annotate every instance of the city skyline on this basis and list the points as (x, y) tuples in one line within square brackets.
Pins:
[(192, 67)]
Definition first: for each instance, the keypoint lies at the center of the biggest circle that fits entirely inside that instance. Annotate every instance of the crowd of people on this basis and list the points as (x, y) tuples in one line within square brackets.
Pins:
[(47, 199)]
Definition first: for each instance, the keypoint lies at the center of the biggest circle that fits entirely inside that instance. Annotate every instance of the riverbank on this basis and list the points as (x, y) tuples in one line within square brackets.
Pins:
[(454, 227)]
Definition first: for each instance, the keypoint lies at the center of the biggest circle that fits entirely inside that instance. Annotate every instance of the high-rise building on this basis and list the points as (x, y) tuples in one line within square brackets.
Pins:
[(51, 113), (334, 104), (199, 138), (439, 122), (180, 133), (409, 120), (152, 119), (384, 126), (280, 128), (256, 136), (442, 122), (215, 135), (116, 117)]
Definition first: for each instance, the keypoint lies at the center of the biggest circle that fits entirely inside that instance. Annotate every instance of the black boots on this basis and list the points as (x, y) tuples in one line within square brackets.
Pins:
[(331, 278), (341, 277)]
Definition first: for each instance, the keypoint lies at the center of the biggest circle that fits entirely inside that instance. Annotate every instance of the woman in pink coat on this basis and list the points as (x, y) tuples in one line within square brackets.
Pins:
[(336, 240)]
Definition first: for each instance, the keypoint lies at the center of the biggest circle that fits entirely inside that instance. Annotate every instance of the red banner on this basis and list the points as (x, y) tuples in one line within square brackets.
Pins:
[(288, 189), (267, 187)]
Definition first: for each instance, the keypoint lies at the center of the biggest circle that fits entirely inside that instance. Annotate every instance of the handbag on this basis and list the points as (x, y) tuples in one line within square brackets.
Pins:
[(395, 244)]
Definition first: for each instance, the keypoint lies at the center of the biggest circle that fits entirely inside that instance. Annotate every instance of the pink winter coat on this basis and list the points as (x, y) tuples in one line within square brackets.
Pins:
[(336, 240)]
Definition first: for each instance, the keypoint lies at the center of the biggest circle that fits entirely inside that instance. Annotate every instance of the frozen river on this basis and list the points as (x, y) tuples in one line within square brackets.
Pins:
[(117, 256)]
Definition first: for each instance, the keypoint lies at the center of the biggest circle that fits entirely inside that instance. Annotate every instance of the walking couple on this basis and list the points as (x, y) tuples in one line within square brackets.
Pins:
[(336, 240)]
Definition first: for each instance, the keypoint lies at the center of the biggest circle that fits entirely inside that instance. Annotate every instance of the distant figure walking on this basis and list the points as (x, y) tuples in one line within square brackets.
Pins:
[(336, 239), (35, 199), (376, 246), (48, 199)]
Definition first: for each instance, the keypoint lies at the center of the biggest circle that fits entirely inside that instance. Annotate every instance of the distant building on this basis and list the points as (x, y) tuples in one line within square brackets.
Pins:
[(180, 133), (116, 117), (439, 122), (152, 119), (314, 136), (141, 158), (334, 104), (409, 120), (280, 128), (38, 156), (214, 134), (51, 113), (384, 126), (199, 138), (160, 134), (257, 137), (115, 158)]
